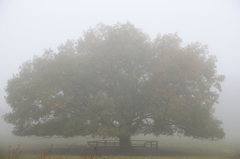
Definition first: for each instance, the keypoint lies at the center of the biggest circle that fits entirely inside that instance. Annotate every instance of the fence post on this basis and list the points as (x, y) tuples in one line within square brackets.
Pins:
[(105, 143), (156, 145)]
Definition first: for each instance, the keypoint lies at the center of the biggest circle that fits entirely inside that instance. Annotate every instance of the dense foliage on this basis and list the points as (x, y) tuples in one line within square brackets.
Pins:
[(117, 82)]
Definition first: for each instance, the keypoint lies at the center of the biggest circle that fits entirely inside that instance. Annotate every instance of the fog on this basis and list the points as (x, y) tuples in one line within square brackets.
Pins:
[(28, 27)]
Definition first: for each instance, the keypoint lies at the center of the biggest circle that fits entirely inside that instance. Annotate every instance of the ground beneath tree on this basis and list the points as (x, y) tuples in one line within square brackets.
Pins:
[(90, 151), (126, 152)]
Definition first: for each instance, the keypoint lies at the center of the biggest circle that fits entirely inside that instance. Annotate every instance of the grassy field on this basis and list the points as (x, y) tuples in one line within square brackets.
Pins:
[(126, 157), (169, 148)]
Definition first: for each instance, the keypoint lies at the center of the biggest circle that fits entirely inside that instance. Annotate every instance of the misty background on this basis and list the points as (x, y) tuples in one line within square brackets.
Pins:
[(28, 27)]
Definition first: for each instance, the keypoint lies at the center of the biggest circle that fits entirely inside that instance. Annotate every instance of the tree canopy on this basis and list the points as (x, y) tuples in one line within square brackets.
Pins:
[(115, 81)]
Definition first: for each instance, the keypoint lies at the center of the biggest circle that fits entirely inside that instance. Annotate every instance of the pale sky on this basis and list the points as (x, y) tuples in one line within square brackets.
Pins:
[(28, 27)]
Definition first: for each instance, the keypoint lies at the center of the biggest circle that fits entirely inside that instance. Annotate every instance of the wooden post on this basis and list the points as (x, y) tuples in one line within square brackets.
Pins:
[(105, 143), (156, 145)]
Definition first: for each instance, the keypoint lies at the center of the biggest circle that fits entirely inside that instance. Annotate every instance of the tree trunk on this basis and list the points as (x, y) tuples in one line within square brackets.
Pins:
[(125, 143)]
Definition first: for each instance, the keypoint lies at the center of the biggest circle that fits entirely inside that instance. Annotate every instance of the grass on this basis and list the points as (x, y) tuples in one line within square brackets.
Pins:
[(169, 147), (47, 154), (131, 157)]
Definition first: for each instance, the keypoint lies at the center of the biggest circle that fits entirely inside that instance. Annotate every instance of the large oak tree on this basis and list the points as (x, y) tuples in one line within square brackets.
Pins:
[(117, 82)]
